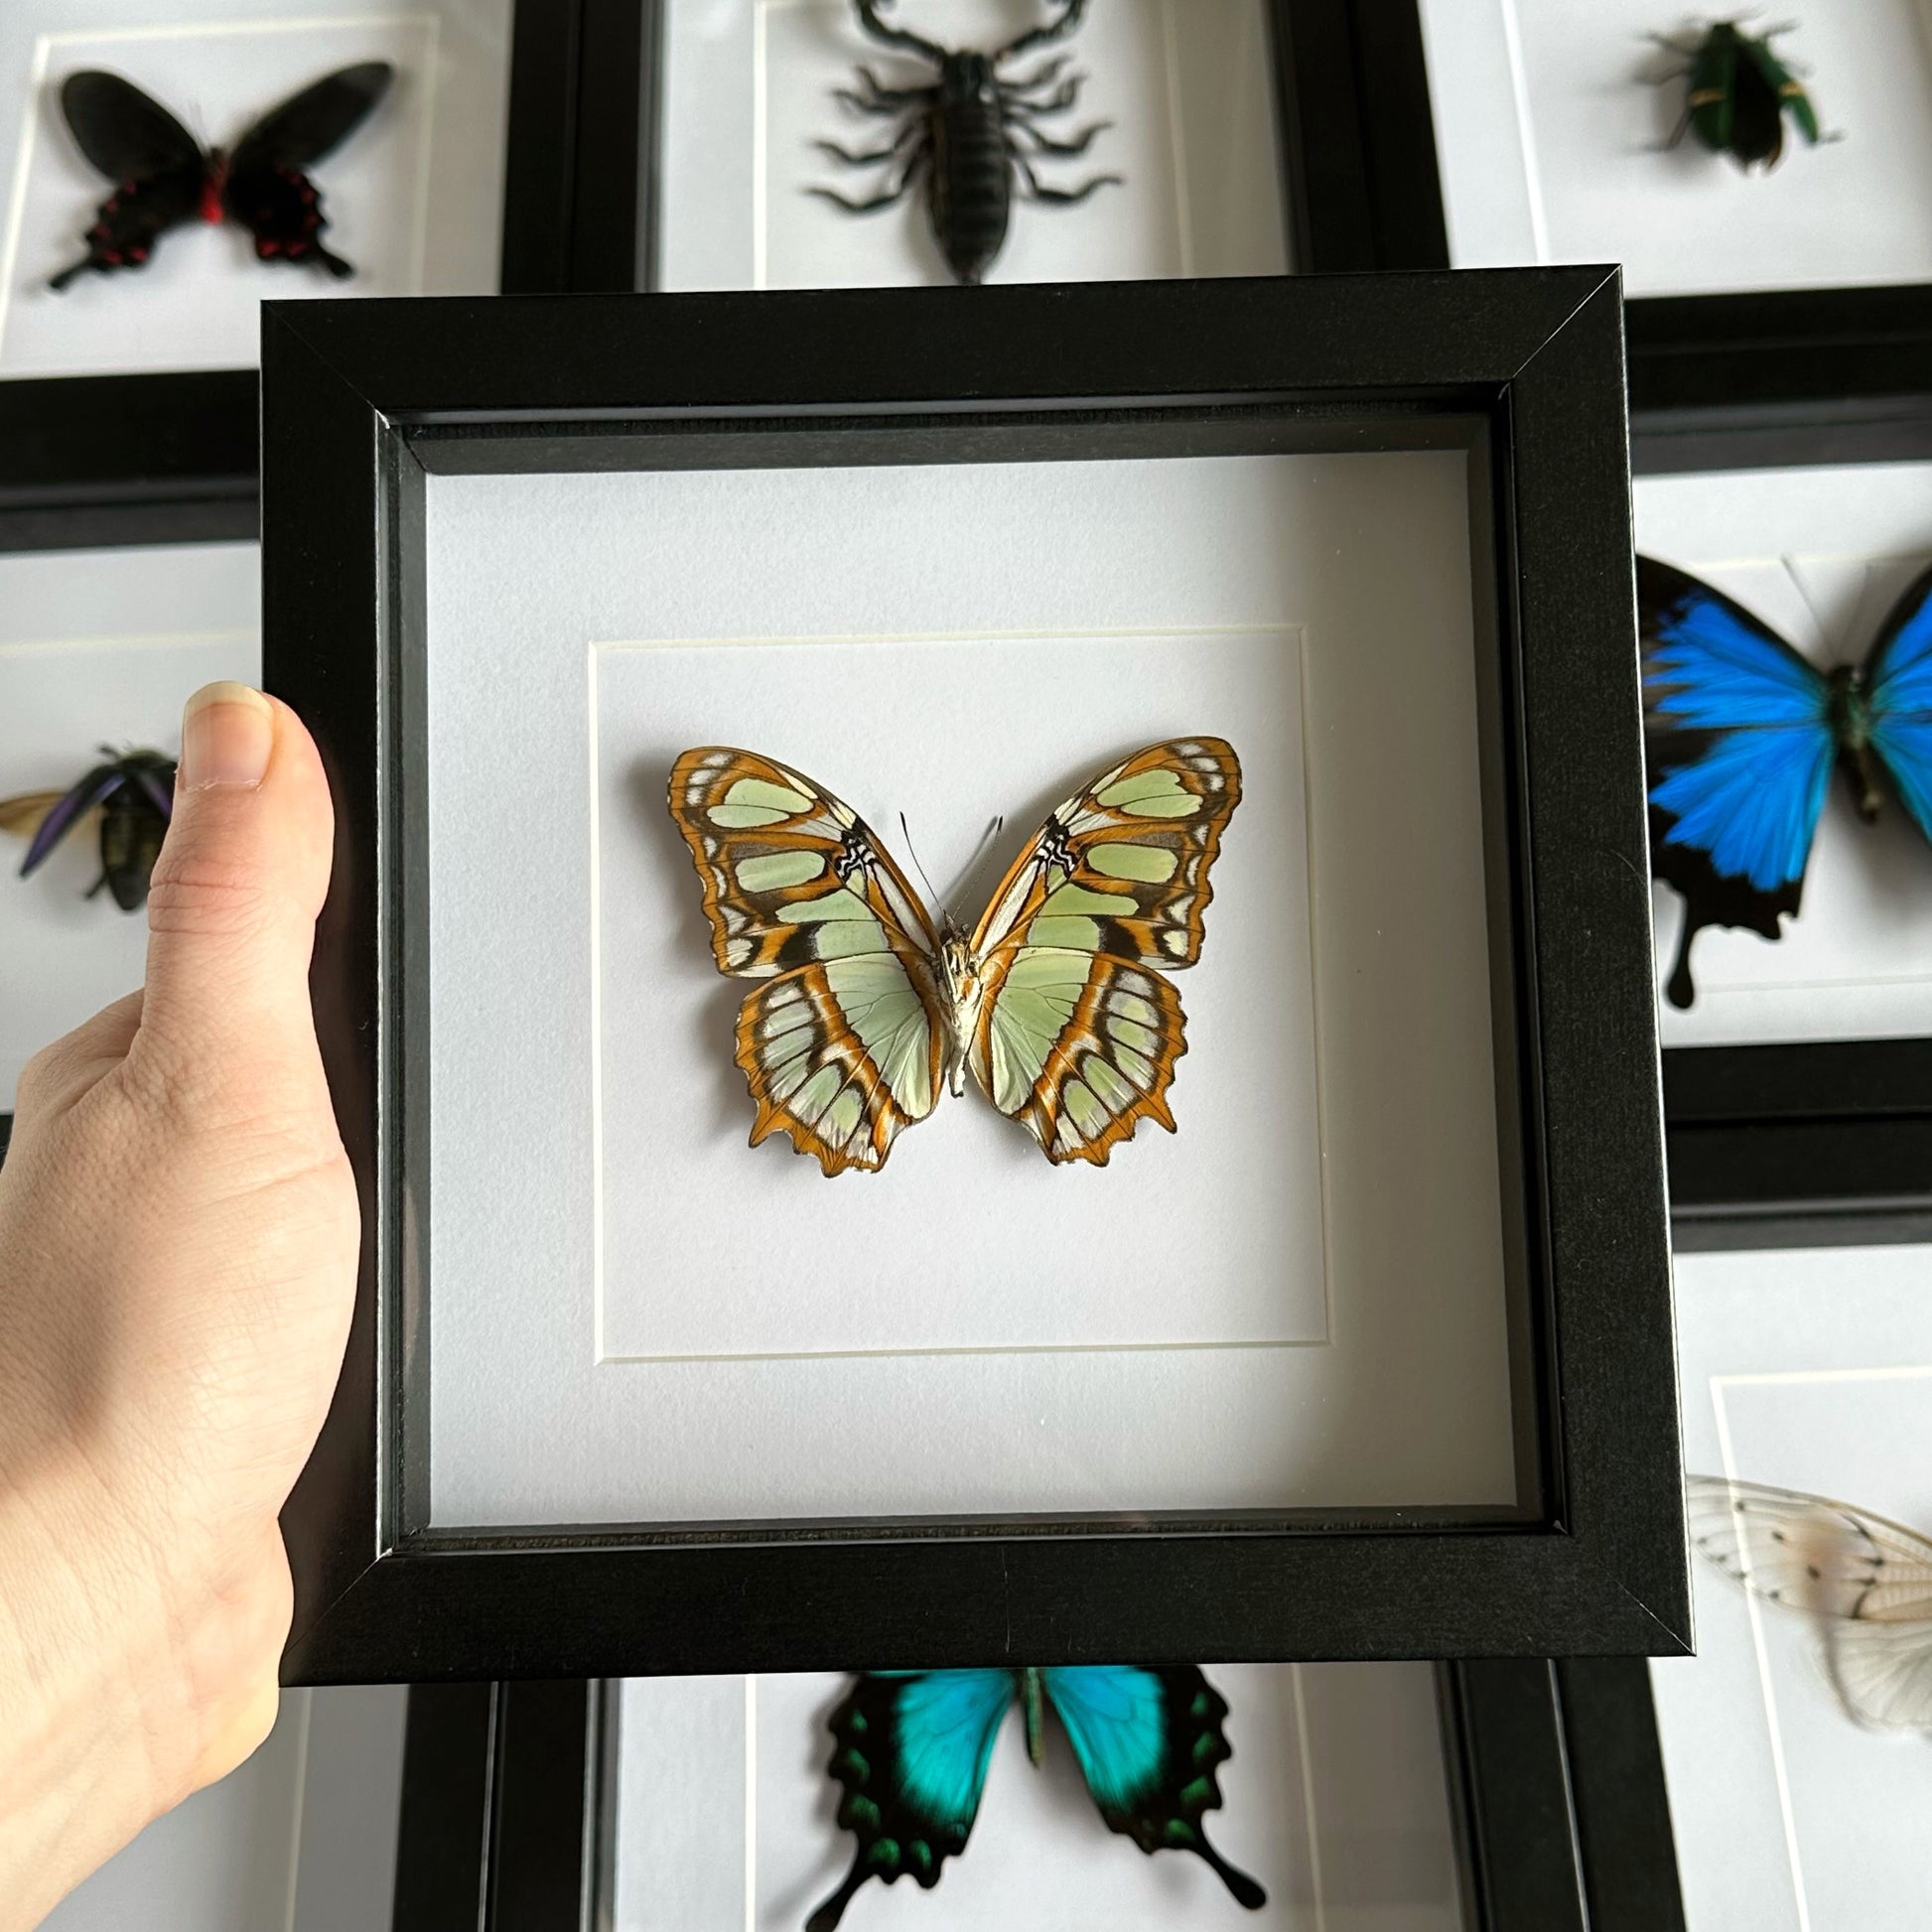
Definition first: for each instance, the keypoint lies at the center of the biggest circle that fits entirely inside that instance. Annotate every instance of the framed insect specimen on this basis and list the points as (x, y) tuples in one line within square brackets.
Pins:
[(1507, 1795), (1059, 998), (973, 141), (130, 797), (1800, 1722), (1744, 737), (860, 620), (151, 430), (1738, 94), (911, 142)]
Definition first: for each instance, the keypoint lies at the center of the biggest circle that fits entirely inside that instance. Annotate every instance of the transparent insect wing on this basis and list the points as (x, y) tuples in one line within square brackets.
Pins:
[(1865, 1581)]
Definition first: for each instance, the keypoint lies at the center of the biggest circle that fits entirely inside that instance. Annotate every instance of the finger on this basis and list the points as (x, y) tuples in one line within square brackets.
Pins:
[(60, 1072), (236, 889)]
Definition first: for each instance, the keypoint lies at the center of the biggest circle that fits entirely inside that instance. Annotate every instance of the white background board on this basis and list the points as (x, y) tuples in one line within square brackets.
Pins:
[(98, 647), (1810, 1370), (1334, 1801), (413, 197), (1549, 129), (1820, 555), (556, 1037), (749, 86), (300, 1839)]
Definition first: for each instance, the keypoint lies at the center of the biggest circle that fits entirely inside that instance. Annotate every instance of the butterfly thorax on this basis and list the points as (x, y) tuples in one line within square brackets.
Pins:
[(964, 990), (1848, 708), (214, 181)]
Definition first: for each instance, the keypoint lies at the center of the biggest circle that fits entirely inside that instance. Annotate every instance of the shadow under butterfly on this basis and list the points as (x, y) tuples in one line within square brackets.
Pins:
[(1864, 1582), (1741, 734), (912, 1748), (163, 178)]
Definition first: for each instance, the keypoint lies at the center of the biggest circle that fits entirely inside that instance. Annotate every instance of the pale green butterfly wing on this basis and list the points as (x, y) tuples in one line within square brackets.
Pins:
[(842, 1042), (1080, 1030)]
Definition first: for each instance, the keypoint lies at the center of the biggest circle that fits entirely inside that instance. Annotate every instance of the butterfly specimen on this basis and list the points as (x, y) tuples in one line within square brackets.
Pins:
[(1867, 1582), (134, 792), (911, 1751), (1057, 1002), (1738, 94), (1741, 734), (164, 179), (970, 137)]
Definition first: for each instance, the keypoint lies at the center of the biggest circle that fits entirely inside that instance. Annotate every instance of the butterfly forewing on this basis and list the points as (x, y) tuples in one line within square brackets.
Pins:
[(310, 125), (1868, 1582), (1078, 1031), (843, 1043), (126, 134)]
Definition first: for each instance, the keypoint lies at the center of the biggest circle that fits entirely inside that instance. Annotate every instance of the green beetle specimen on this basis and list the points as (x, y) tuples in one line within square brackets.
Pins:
[(1739, 93)]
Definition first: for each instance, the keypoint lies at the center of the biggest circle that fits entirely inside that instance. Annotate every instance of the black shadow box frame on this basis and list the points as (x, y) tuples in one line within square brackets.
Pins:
[(1522, 369), (1352, 153), (1556, 1789), (1820, 1143), (1816, 1143), (94, 461)]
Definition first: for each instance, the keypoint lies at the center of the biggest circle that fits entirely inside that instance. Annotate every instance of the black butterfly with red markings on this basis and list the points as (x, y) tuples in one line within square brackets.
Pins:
[(163, 178)]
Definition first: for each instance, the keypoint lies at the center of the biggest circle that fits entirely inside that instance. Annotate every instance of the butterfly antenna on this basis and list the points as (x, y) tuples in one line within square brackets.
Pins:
[(916, 867), (981, 853)]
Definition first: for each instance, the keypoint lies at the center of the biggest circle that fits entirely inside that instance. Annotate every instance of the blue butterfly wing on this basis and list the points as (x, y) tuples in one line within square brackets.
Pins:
[(1148, 1742), (1740, 744), (1898, 677), (912, 1749)]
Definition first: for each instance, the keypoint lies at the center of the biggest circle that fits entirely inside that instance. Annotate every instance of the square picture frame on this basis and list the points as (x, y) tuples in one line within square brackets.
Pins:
[(1817, 1142), (165, 457), (1340, 79), (1557, 1808), (365, 403)]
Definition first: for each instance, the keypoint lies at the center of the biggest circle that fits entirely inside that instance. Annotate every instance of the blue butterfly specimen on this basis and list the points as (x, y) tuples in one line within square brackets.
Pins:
[(1742, 735), (912, 1747)]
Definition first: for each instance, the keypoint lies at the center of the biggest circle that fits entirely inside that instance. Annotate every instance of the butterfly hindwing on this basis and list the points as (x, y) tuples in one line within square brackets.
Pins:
[(1078, 1031), (910, 1751), (1148, 1742), (1866, 1579), (1898, 677), (268, 190), (843, 1043), (1739, 748)]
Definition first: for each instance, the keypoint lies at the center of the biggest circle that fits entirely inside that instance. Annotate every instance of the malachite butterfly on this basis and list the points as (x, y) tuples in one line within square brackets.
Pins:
[(910, 1751), (866, 1008)]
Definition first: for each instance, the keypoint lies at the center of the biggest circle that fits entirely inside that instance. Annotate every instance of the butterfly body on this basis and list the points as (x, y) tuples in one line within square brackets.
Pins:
[(869, 1008), (134, 795), (911, 1751), (1742, 738), (164, 179)]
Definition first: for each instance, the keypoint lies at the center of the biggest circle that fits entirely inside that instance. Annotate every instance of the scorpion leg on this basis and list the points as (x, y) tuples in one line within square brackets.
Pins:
[(1056, 102), (1025, 84), (898, 36), (892, 151), (885, 196), (881, 99), (1042, 144), (1054, 29), (1058, 196)]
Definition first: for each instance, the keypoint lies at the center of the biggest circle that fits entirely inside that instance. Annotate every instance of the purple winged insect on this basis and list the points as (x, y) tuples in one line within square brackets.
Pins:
[(134, 792)]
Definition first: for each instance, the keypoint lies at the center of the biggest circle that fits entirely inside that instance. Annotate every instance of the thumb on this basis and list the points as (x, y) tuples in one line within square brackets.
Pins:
[(231, 911)]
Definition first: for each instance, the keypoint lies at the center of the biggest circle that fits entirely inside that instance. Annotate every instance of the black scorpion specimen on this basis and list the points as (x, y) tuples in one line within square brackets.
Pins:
[(971, 138)]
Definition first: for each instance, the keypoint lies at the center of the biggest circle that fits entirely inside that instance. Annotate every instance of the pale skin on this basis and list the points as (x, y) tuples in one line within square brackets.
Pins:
[(178, 1243)]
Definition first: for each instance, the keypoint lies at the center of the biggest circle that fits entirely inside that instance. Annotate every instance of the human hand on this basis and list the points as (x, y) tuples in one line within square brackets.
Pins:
[(178, 1247)]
